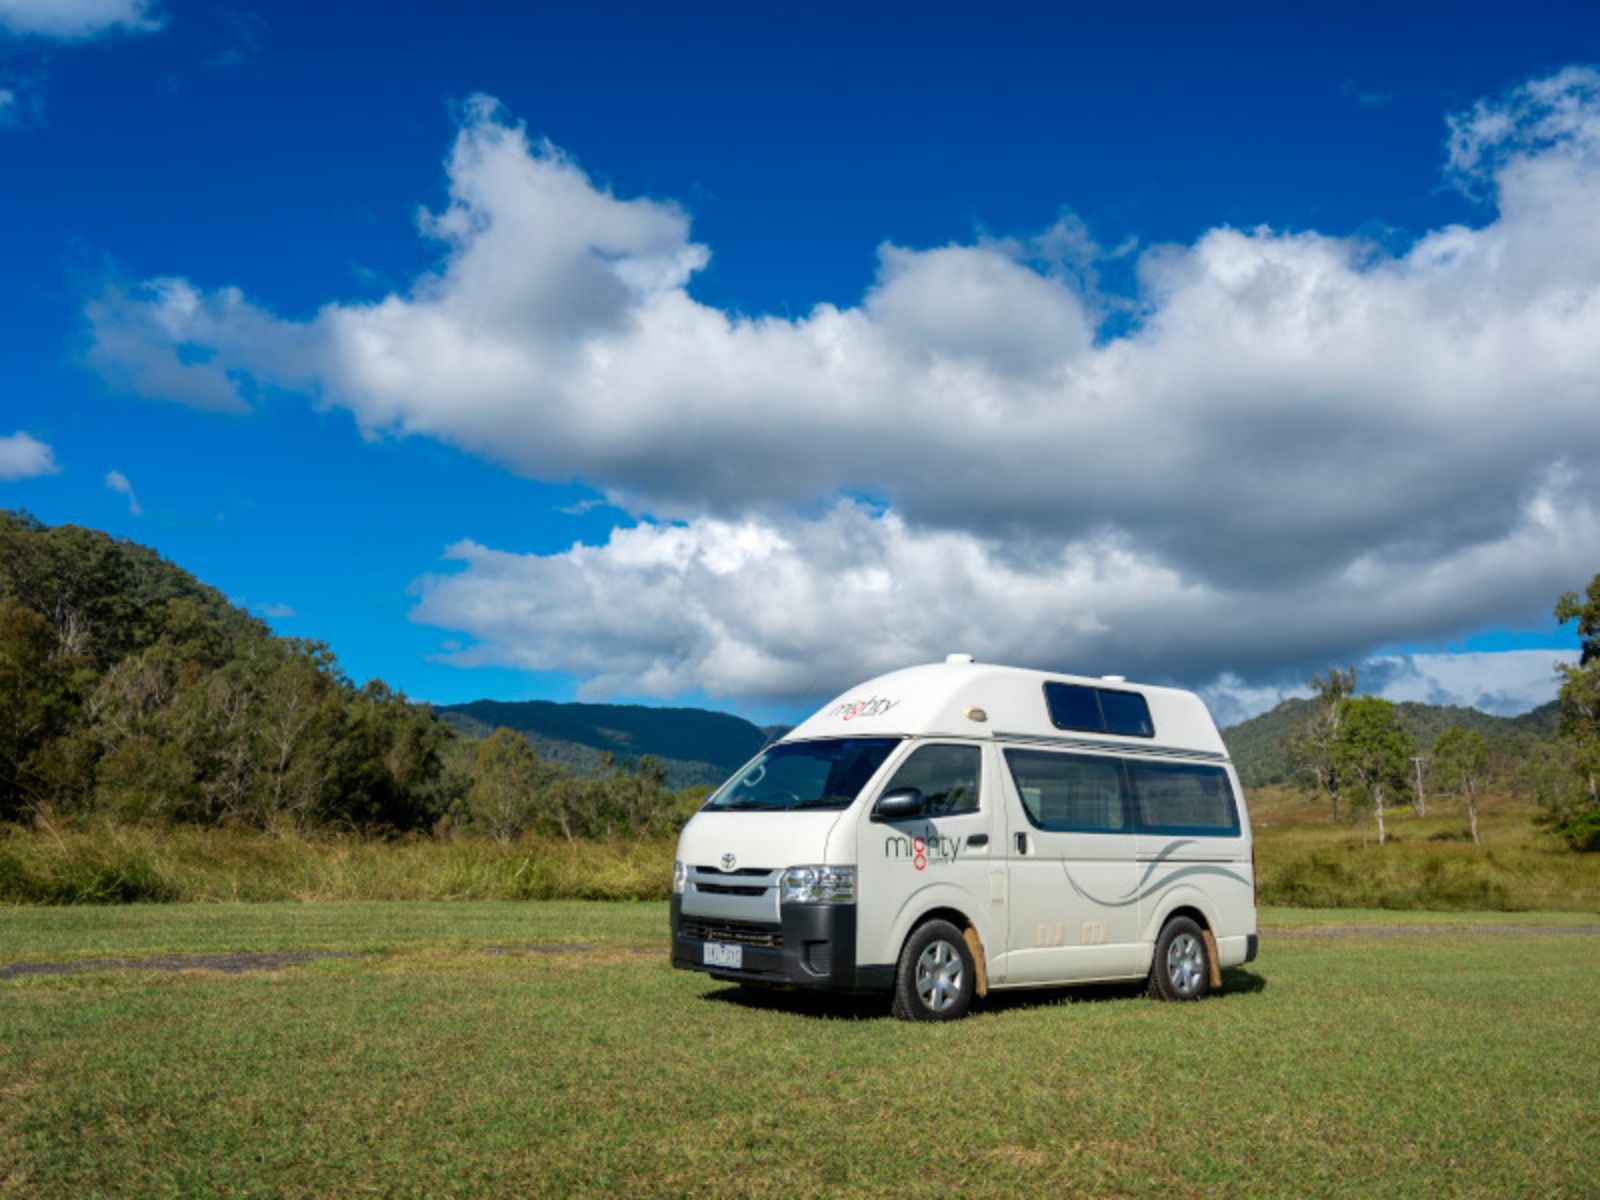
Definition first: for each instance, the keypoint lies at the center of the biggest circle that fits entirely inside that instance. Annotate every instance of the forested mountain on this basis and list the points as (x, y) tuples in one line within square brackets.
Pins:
[(131, 692), (1259, 746), (695, 746)]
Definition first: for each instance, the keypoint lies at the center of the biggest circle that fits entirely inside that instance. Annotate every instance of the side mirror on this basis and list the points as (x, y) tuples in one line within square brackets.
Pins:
[(898, 805)]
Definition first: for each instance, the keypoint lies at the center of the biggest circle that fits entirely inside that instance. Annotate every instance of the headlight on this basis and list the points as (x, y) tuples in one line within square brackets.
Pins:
[(818, 885), (680, 876)]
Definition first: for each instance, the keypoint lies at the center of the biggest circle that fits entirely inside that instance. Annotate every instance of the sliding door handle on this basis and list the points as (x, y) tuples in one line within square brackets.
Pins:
[(978, 839)]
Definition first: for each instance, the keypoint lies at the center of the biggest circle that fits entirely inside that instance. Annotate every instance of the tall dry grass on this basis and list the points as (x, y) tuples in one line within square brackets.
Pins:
[(1302, 860), (113, 865)]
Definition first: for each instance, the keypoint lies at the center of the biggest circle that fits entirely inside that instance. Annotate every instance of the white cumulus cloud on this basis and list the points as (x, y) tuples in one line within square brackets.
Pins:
[(118, 482), (1505, 682), (23, 456), (1302, 447), (782, 609), (77, 20)]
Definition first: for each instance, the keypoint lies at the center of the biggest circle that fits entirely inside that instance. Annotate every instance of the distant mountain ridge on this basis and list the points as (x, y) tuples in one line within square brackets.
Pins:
[(1260, 754), (701, 747), (696, 746)]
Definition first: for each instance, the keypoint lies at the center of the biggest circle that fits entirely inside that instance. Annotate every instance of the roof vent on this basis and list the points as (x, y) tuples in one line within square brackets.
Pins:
[(1115, 678), (958, 658)]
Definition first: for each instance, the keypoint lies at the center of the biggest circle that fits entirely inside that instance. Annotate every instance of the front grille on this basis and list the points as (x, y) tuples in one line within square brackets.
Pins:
[(739, 871), (722, 889), (746, 933)]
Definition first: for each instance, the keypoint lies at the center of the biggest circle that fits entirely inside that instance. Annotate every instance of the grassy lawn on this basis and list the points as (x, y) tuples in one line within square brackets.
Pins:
[(1308, 918), (1456, 1064), (367, 926)]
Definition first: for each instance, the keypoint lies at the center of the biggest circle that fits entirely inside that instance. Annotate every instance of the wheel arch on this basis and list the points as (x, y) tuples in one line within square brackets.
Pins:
[(943, 904), (1188, 902)]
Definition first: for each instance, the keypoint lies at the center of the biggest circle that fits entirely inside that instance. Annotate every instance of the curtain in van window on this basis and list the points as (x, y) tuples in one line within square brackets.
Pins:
[(1183, 798), (1069, 793)]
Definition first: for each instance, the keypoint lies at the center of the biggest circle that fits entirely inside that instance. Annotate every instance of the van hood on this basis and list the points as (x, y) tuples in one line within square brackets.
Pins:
[(767, 840)]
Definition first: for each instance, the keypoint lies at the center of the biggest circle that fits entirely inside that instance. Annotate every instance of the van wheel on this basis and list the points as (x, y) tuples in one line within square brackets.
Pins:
[(936, 978), (1181, 969)]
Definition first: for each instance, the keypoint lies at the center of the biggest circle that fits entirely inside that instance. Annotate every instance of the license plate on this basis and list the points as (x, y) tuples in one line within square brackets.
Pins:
[(721, 954)]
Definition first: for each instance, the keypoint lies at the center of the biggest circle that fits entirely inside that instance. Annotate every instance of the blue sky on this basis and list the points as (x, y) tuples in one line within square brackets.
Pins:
[(1022, 230)]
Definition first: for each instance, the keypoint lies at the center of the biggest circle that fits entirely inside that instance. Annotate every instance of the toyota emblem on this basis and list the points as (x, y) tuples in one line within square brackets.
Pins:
[(728, 862)]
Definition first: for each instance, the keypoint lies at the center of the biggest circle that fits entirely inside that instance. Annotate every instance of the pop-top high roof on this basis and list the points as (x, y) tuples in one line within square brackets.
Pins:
[(944, 699)]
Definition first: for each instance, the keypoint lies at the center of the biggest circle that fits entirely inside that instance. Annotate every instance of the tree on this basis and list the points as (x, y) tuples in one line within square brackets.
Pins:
[(35, 703), (396, 763), (297, 716), (503, 798), (1460, 762), (1371, 752), (1311, 744), (1541, 770), (1580, 718), (130, 688), (575, 805)]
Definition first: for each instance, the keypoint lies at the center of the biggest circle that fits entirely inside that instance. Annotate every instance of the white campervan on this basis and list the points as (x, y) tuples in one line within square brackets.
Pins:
[(948, 829)]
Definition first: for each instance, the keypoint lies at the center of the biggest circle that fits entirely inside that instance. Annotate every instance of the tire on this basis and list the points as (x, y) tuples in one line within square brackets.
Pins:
[(1181, 969), (936, 977)]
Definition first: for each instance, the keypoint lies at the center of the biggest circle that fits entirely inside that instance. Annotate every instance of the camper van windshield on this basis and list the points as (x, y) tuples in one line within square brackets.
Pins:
[(791, 775)]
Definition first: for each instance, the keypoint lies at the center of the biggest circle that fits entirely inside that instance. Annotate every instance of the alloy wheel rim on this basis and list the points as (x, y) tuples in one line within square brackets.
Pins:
[(1185, 965), (939, 976)]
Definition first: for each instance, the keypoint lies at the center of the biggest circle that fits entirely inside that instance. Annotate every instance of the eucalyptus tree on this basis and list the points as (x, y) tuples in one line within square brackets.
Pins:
[(1460, 762), (1371, 752), (1580, 716), (1310, 745)]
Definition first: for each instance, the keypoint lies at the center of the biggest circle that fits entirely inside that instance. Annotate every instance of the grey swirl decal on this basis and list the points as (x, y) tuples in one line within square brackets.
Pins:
[(1140, 892), (1167, 852)]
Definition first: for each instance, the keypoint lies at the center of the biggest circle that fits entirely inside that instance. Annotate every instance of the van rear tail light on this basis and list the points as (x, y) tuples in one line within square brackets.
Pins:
[(1252, 872)]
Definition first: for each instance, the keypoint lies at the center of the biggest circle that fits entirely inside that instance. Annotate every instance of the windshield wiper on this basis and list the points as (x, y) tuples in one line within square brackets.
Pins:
[(823, 802), (740, 806)]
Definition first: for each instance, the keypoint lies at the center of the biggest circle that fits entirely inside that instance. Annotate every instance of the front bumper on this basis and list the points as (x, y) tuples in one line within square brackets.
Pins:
[(811, 946)]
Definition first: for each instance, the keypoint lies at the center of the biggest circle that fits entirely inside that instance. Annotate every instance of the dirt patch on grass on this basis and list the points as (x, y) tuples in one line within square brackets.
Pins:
[(1336, 931), (576, 948), (228, 964)]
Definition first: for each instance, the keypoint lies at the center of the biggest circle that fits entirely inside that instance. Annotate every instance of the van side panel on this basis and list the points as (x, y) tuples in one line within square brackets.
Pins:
[(1073, 900), (1089, 906)]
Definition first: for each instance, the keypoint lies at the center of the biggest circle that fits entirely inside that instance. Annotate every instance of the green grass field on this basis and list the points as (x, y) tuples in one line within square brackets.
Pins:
[(1456, 1064)]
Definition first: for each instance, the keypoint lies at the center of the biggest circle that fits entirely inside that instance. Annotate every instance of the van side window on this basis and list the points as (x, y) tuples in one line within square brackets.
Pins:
[(947, 777), (1070, 793), (1184, 798), (1098, 710)]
